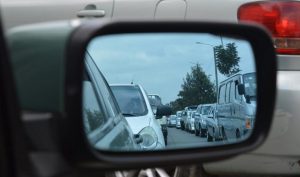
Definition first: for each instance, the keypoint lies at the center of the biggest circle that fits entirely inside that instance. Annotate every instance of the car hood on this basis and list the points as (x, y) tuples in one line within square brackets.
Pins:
[(138, 123)]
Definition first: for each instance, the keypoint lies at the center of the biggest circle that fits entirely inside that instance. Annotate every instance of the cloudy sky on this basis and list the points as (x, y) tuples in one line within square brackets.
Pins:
[(159, 62)]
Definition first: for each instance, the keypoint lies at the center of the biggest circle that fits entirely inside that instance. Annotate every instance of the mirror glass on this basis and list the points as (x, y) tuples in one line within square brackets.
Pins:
[(155, 91)]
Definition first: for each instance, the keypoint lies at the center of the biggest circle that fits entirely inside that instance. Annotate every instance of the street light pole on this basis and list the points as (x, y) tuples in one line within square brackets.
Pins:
[(215, 61), (216, 71)]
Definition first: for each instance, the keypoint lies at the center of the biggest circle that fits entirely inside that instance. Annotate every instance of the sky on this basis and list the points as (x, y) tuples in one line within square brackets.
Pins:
[(160, 61)]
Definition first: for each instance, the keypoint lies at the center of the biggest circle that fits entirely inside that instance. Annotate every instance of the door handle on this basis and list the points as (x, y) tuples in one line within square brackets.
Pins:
[(91, 13)]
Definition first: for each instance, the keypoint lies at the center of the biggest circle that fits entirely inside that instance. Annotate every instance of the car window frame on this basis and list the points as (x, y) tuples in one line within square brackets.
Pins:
[(101, 84), (98, 100), (112, 120)]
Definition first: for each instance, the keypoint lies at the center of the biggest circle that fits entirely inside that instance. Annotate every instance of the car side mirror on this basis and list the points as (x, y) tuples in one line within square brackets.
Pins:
[(241, 89), (247, 97), (124, 42), (56, 92), (163, 111)]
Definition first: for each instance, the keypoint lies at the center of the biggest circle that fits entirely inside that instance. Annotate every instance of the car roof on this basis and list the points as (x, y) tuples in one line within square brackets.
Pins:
[(235, 75), (153, 95), (229, 78), (192, 106), (208, 104), (132, 85)]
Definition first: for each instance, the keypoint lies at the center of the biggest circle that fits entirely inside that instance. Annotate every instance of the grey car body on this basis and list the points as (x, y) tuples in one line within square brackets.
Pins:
[(104, 123)]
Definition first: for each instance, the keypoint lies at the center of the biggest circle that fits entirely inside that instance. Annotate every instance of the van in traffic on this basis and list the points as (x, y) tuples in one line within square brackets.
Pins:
[(236, 105)]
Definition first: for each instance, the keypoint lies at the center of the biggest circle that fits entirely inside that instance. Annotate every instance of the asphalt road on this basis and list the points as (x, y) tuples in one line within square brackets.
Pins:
[(179, 138)]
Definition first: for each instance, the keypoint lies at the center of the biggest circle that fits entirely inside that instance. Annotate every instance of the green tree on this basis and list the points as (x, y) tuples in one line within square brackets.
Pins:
[(227, 59), (196, 89), (177, 105)]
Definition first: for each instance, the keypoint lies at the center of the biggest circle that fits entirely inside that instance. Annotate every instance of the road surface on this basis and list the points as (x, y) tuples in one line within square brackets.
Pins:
[(180, 138)]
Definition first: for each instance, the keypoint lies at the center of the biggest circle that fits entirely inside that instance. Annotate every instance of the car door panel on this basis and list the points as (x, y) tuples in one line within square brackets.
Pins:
[(21, 12), (208, 10), (134, 9), (171, 9)]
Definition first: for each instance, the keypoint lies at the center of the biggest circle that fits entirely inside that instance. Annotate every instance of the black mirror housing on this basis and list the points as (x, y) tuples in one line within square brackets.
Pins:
[(262, 47), (163, 111)]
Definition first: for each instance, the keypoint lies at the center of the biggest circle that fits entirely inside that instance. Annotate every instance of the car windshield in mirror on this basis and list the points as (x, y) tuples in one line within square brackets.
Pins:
[(130, 100), (250, 85)]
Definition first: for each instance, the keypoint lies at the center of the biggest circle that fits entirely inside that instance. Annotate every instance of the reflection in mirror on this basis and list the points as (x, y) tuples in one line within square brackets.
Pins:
[(153, 91)]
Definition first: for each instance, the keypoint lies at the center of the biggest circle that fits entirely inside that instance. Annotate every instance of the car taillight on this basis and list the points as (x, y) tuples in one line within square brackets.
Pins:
[(281, 18), (248, 124)]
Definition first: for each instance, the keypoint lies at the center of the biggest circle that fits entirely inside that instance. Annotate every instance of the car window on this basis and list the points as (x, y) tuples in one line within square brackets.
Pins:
[(198, 109), (205, 110), (237, 95), (92, 112), (222, 94), (212, 111), (130, 100), (193, 114), (227, 97), (250, 85), (155, 100), (232, 91)]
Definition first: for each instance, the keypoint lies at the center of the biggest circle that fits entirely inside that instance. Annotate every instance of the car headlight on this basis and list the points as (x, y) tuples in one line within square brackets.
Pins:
[(149, 138)]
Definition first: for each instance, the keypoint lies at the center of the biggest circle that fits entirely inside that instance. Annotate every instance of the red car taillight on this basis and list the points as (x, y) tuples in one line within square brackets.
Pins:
[(281, 18)]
